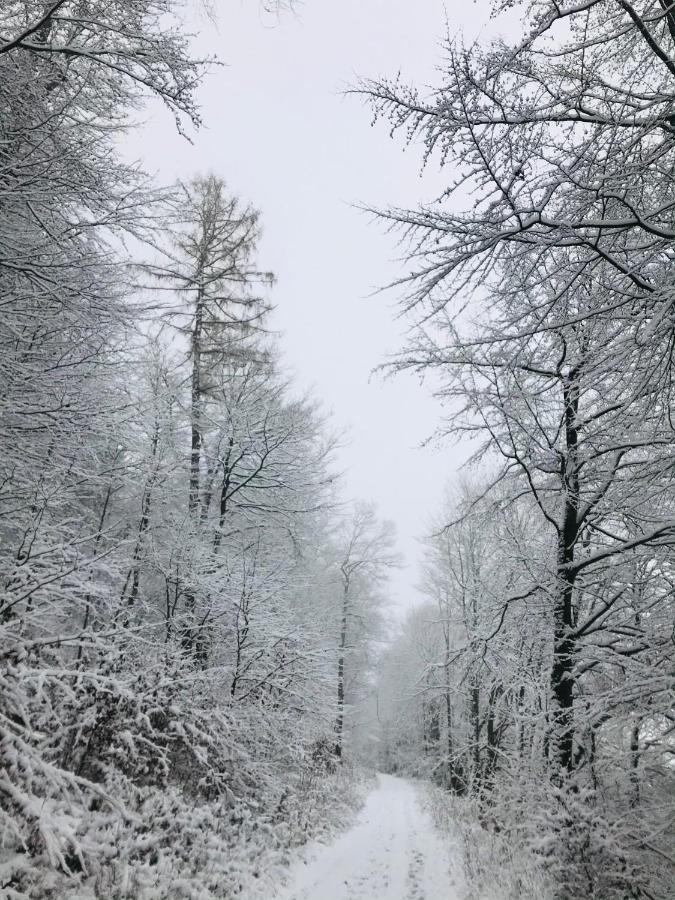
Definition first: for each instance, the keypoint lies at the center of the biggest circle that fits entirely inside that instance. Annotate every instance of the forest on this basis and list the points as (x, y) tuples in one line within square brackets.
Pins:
[(206, 688)]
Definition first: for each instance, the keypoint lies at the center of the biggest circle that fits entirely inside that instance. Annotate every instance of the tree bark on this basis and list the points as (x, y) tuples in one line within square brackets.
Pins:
[(562, 678), (340, 719), (188, 636)]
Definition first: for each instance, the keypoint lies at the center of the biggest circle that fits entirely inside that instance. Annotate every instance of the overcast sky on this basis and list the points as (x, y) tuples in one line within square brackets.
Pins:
[(279, 130)]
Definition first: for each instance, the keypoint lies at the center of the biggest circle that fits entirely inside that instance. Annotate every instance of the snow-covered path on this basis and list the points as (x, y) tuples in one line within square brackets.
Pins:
[(391, 853)]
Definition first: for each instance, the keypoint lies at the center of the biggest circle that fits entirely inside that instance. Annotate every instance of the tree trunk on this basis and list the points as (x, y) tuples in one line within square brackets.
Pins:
[(474, 715), (88, 599), (188, 632), (133, 575), (455, 775), (493, 734), (635, 760), (195, 407), (339, 721), (562, 680)]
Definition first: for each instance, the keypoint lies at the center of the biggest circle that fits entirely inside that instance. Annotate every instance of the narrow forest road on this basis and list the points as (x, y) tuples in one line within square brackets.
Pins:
[(391, 853)]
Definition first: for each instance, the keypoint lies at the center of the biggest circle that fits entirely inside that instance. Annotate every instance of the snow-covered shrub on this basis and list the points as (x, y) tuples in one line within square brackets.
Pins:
[(497, 865), (170, 847), (40, 795), (531, 839), (127, 776)]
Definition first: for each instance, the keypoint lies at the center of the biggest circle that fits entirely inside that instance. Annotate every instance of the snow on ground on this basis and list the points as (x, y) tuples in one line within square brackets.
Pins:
[(391, 853)]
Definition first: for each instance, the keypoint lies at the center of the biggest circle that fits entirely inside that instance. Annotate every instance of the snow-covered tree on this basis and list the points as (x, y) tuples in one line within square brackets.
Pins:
[(364, 554), (165, 494), (557, 224)]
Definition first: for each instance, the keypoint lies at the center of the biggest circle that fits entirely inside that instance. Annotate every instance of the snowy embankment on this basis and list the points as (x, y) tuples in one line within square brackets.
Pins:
[(187, 851), (393, 852)]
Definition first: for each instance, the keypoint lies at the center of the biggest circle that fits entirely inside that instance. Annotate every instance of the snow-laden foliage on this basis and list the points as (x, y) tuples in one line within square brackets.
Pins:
[(169, 590), (465, 701), (540, 296)]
